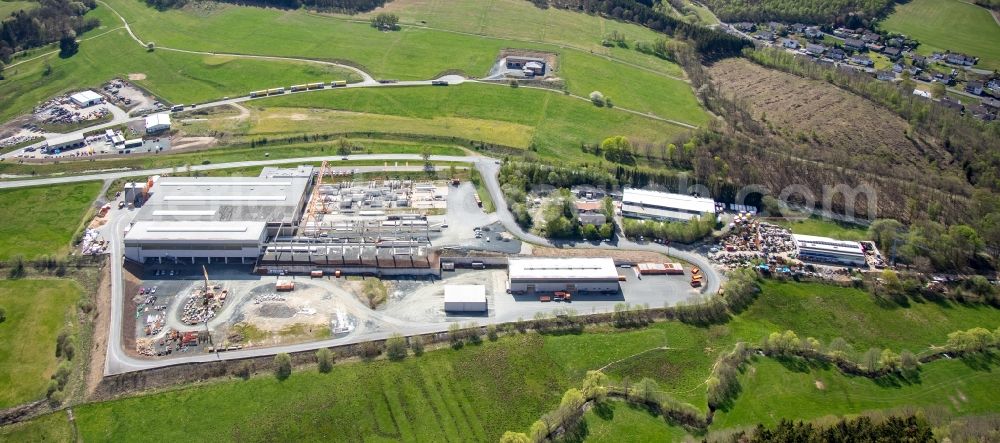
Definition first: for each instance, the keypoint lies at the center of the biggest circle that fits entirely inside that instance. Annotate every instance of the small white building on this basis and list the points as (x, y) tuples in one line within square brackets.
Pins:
[(829, 250), (157, 123), (465, 298), (86, 98), (527, 275), (640, 203)]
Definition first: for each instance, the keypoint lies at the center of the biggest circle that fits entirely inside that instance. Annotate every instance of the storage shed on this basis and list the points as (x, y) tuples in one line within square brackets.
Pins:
[(465, 298)]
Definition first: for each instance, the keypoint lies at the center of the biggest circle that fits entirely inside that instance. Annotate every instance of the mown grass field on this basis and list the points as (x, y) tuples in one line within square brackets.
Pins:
[(36, 311), (823, 228), (272, 151), (560, 123), (772, 391), (620, 419), (42, 220), (8, 7), (519, 20), (953, 25), (176, 77), (412, 53), (478, 392), (473, 394), (48, 428)]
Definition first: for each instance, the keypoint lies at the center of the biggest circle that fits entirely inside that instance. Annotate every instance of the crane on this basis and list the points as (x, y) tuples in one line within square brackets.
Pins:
[(314, 201)]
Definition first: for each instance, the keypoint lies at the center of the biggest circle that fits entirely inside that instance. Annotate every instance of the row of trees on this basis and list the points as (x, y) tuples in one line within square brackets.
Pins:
[(683, 232), (910, 429), (931, 246), (710, 43), (345, 6), (973, 340), (842, 12), (51, 21)]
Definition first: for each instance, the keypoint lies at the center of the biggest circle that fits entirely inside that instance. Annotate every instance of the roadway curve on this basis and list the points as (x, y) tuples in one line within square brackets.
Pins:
[(118, 361)]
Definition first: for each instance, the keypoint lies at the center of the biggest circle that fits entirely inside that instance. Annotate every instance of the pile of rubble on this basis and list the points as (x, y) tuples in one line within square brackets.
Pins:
[(60, 111), (92, 244), (17, 140), (266, 298), (202, 306)]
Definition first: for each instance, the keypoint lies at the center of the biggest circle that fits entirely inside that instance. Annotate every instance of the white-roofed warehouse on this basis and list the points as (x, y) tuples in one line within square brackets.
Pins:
[(528, 275), (828, 250), (640, 203), (215, 218), (465, 298), (86, 98)]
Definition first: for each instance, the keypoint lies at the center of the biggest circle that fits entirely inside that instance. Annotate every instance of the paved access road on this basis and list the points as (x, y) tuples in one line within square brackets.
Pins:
[(118, 361)]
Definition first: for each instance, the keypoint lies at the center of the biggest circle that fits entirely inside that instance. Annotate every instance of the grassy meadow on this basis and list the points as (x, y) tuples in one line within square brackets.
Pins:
[(8, 7), (53, 427), (952, 25), (478, 392), (823, 228), (42, 220), (36, 311), (554, 123)]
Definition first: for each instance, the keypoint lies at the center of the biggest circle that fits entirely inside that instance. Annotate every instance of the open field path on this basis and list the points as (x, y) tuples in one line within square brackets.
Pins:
[(46, 54)]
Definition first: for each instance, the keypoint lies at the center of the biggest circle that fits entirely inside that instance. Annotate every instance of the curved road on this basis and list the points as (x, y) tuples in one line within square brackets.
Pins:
[(118, 361)]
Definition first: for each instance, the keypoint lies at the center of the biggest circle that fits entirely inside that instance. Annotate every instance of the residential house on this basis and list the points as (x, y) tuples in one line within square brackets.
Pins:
[(797, 28), (885, 75), (921, 93), (837, 54), (745, 26), (766, 36), (994, 86), (813, 32), (974, 87), (862, 60), (790, 43), (815, 50), (892, 53), (875, 47), (897, 68), (952, 104), (854, 44), (919, 60), (960, 59), (870, 37)]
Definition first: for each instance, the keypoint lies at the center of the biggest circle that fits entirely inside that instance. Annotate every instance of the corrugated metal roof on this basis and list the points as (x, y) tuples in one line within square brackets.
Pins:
[(563, 268)]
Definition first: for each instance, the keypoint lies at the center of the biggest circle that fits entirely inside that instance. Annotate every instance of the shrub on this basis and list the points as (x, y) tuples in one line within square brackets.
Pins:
[(243, 370), (395, 347), (370, 349), (325, 359), (3, 314), (491, 332), (597, 98), (417, 345), (282, 366)]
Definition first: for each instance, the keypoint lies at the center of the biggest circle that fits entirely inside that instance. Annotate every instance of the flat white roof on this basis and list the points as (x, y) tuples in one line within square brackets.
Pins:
[(827, 244), (562, 269), (224, 198), (65, 139), (85, 96), (230, 183), (666, 200), (157, 120), (464, 293), (195, 231), (184, 212)]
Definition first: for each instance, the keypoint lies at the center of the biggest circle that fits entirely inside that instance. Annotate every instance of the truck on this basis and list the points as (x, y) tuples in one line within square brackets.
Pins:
[(256, 94), (275, 91), (316, 274), (338, 83), (297, 88), (478, 265), (439, 83), (315, 85), (176, 108), (562, 296)]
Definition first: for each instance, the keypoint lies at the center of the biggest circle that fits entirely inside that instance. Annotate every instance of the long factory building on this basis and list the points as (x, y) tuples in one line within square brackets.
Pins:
[(645, 204), (828, 250), (530, 275), (220, 219)]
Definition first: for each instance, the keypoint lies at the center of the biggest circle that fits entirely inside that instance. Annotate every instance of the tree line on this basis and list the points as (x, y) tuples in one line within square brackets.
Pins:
[(345, 6), (712, 44), (51, 21), (841, 12), (909, 429)]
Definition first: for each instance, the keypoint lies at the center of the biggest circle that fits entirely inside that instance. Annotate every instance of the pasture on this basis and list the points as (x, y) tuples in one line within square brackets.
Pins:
[(823, 228), (8, 7), (477, 392), (42, 220), (952, 25), (559, 123), (36, 311)]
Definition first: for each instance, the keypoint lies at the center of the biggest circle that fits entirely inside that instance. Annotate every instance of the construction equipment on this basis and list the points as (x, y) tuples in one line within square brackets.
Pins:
[(314, 203)]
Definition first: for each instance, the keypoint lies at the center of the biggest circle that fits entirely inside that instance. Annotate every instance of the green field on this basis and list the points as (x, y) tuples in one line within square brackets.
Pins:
[(47, 428), (824, 228), (560, 123), (177, 77), (621, 419), (8, 7), (264, 152), (42, 220), (36, 311), (954, 25), (772, 391), (478, 392)]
